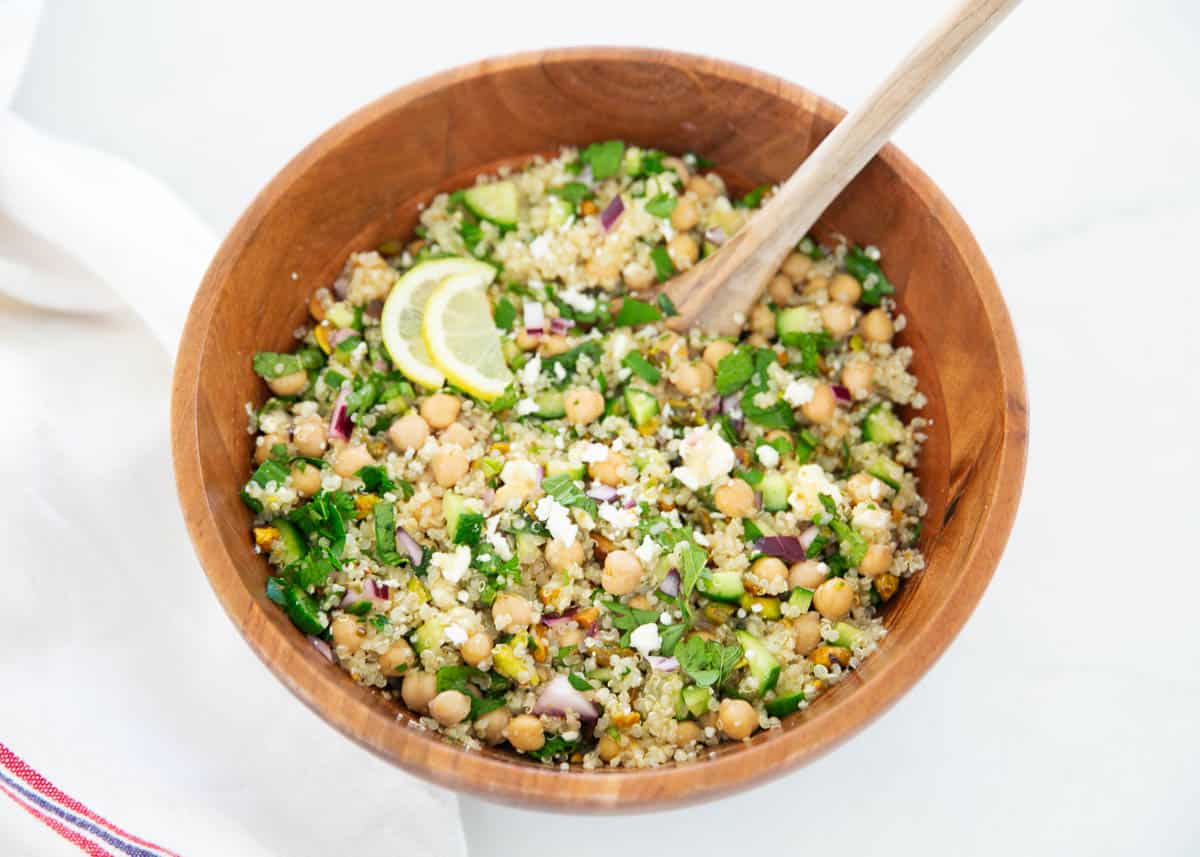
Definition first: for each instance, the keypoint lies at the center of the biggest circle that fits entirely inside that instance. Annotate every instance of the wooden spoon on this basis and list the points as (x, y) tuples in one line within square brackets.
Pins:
[(719, 293)]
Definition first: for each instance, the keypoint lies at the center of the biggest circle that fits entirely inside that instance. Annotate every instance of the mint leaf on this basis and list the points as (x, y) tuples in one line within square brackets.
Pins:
[(269, 365), (634, 311), (643, 368), (604, 158), (505, 314), (567, 492), (579, 682), (867, 271), (573, 192), (734, 371), (662, 205), (664, 268), (692, 562)]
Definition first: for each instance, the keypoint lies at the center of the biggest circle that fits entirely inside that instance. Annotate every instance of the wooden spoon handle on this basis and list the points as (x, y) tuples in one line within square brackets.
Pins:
[(736, 281)]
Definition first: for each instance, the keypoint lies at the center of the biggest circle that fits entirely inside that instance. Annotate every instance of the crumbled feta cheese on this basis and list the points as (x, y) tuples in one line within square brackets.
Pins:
[(500, 545), (700, 539), (539, 248), (666, 618), (648, 551), (530, 371), (767, 455), (798, 393), (456, 635), (453, 566), (535, 316), (619, 345), (557, 520), (525, 407), (645, 638), (518, 472), (559, 372), (706, 456), (577, 300), (870, 518), (593, 452), (621, 519), (807, 487)]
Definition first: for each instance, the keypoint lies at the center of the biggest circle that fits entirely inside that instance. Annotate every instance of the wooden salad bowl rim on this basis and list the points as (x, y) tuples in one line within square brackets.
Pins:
[(375, 722)]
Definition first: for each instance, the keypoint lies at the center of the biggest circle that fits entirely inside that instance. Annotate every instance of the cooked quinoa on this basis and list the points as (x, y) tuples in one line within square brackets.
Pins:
[(653, 542)]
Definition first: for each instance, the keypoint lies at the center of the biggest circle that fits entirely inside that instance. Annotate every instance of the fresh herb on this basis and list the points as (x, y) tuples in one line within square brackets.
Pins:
[(751, 476), (349, 344), (753, 198), (505, 401), (385, 535), (325, 516), (852, 545), (726, 428), (556, 745), (406, 489), (734, 370), (311, 358), (692, 562), (313, 570), (573, 192), (696, 161), (643, 368), (269, 471), (750, 530), (568, 359), (627, 619), (810, 248), (867, 271), (662, 205), (380, 622), (269, 365), (505, 314), (811, 346), (564, 490), (604, 158), (579, 682), (817, 546), (707, 662), (777, 415), (469, 529), (334, 379), (669, 638), (652, 163), (358, 608), (471, 234), (666, 305), (664, 268), (634, 311), (375, 479), (486, 691)]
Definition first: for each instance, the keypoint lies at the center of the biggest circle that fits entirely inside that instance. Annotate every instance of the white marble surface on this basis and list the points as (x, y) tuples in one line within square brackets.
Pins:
[(1063, 719)]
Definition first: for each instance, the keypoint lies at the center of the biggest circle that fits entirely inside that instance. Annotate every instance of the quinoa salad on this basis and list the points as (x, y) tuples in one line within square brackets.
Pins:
[(493, 483)]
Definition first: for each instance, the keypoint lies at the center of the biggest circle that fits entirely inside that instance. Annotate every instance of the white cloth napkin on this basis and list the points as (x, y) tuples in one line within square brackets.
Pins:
[(121, 680)]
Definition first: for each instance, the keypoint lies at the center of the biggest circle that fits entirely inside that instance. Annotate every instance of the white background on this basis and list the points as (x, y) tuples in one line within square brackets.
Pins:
[(1064, 719)]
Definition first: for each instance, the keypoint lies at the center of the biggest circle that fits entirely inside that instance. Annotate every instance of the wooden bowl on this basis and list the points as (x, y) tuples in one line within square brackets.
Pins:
[(360, 183)]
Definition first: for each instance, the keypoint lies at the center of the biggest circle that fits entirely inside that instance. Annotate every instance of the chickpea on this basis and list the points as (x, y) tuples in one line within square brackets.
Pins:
[(440, 409), (266, 443), (560, 556), (737, 718), (857, 376), (692, 379), (877, 326), (735, 499), (524, 732), (309, 436), (808, 574), (819, 409), (827, 656), (509, 496), (796, 266), (306, 479), (429, 512), (350, 459), (772, 572), (526, 341), (806, 633), (346, 632), (816, 283), (490, 727), (757, 340), (610, 471), (687, 732), (582, 406), (714, 351), (553, 345), (608, 748), (398, 658), (622, 572), (683, 250), (450, 707), (762, 321), (637, 276), (838, 318), (878, 559), (864, 488), (511, 611), (843, 288), (289, 385), (684, 216), (449, 465), (459, 435), (408, 432), (701, 187), (680, 168), (418, 689), (476, 649), (567, 635), (833, 598), (780, 290), (641, 601)]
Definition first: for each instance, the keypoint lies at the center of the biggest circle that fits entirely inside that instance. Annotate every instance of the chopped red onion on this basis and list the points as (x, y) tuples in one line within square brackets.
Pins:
[(663, 665), (611, 212), (377, 590), (731, 406), (560, 325), (323, 647), (351, 597), (535, 318), (410, 546), (670, 583), (339, 336), (552, 619), (787, 548), (808, 537), (558, 697), (841, 393), (603, 493), (630, 502), (716, 235), (339, 419)]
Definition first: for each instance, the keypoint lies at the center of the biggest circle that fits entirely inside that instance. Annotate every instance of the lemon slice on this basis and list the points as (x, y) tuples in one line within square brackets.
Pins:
[(461, 337), (405, 306)]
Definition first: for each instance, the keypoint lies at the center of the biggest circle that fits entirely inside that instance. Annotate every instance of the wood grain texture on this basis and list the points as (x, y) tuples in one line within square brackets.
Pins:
[(725, 287), (362, 180)]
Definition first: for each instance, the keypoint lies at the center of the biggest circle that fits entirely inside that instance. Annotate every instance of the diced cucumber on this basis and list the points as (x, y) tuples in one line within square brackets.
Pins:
[(453, 505), (462, 522), (529, 547), (848, 636), (303, 610), (695, 699), (722, 586), (428, 636), (276, 590), (797, 319), (881, 425), (782, 706), (642, 406), (550, 405), (510, 350), (292, 547), (886, 471), (801, 599), (557, 468), (498, 202), (768, 608), (764, 666), (559, 212), (775, 490)]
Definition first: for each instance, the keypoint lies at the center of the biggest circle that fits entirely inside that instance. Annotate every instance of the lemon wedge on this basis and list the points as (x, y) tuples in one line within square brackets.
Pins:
[(405, 308), (461, 337)]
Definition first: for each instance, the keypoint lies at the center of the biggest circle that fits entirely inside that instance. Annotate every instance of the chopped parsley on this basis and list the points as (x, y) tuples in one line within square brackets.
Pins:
[(604, 158)]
